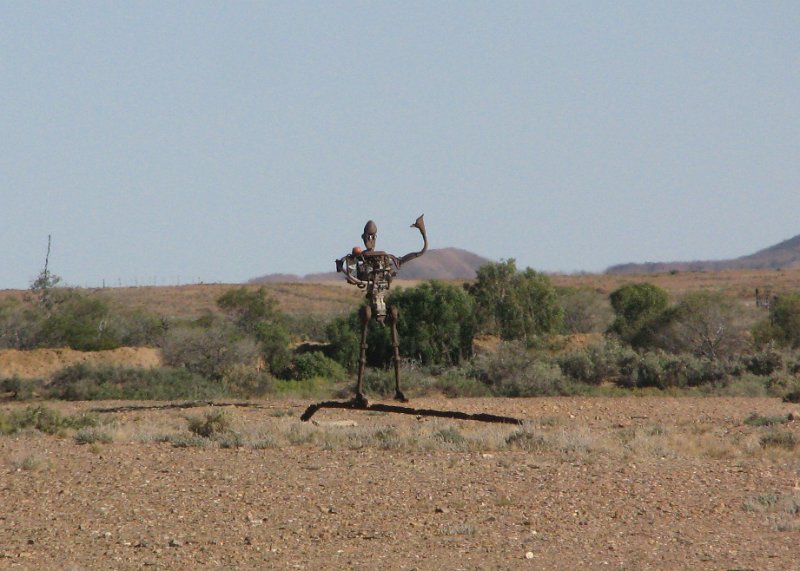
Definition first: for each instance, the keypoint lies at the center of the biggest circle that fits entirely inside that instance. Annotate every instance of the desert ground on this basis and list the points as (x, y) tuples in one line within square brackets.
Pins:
[(585, 483), (638, 482)]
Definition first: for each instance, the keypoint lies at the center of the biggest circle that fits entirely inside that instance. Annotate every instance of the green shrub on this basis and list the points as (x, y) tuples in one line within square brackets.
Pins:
[(379, 382), (78, 321), (245, 381), (784, 321), (209, 350), (746, 385), (778, 439), (456, 384), (20, 389), (436, 327), (188, 441), (210, 424), (110, 382), (316, 364), (449, 435), (577, 365), (703, 323), (230, 439), (515, 305), (514, 371), (538, 379), (764, 363), (793, 396), (44, 420), (636, 306), (585, 310), (306, 327), (755, 419), (91, 435), (436, 323), (527, 439), (139, 328)]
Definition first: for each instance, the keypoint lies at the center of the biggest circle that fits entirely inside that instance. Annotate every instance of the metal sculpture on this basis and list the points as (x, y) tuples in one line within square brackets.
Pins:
[(373, 270)]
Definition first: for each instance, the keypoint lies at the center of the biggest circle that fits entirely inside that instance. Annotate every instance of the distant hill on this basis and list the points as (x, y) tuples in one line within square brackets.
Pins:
[(783, 255), (436, 264)]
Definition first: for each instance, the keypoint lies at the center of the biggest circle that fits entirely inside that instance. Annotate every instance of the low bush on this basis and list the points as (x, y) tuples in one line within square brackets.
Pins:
[(793, 396), (44, 420), (513, 371), (755, 419), (316, 364), (456, 384), (20, 389), (764, 363), (450, 435), (244, 381), (209, 349), (106, 382), (92, 435), (211, 423), (778, 439)]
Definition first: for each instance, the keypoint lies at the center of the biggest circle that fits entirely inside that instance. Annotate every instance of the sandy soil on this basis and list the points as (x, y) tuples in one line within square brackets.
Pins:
[(632, 483), (41, 363)]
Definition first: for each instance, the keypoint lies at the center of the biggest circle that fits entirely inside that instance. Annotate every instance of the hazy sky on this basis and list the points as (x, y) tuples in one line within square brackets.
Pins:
[(164, 142)]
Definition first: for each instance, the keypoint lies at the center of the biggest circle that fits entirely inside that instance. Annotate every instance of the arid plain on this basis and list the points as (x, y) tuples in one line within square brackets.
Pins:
[(635, 482)]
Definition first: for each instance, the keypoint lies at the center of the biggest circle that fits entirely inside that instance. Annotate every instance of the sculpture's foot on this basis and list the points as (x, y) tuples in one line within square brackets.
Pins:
[(360, 401), (399, 396)]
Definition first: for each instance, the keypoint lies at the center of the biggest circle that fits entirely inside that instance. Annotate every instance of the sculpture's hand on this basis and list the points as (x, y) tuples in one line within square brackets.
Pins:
[(420, 223)]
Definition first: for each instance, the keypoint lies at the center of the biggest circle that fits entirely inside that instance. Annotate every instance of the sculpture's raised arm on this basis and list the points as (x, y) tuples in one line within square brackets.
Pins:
[(419, 224)]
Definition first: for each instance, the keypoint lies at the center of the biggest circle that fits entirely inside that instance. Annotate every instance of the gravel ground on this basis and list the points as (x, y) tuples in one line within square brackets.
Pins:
[(589, 483)]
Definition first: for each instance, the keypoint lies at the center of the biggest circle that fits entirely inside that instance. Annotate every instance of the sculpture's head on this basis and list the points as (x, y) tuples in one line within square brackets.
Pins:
[(370, 235)]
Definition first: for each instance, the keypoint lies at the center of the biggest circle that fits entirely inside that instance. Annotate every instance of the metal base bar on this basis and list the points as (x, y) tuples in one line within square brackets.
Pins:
[(458, 415)]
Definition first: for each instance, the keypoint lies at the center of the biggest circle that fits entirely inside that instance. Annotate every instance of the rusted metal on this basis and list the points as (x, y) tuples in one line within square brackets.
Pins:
[(455, 414), (178, 405), (373, 270)]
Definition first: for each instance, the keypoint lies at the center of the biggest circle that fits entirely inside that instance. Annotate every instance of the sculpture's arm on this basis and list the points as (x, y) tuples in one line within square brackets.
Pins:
[(419, 224), (347, 266)]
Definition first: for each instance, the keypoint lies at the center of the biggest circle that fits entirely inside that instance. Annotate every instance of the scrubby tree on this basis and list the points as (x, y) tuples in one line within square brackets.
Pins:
[(256, 314), (783, 324), (636, 309), (706, 324), (585, 310), (249, 308), (209, 350), (437, 322), (514, 304), (436, 327), (78, 321)]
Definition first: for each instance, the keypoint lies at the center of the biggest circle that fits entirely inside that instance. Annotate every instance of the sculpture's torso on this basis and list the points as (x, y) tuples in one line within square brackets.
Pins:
[(376, 269)]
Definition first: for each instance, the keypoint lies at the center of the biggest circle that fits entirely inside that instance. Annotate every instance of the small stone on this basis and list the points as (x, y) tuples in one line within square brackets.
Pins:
[(175, 542), (440, 510), (529, 555)]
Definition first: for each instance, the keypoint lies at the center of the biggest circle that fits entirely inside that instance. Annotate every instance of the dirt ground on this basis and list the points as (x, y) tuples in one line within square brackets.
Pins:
[(587, 483), (42, 363)]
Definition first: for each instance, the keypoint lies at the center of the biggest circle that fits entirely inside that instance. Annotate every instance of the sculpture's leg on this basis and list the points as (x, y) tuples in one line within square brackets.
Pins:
[(366, 314), (393, 316)]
